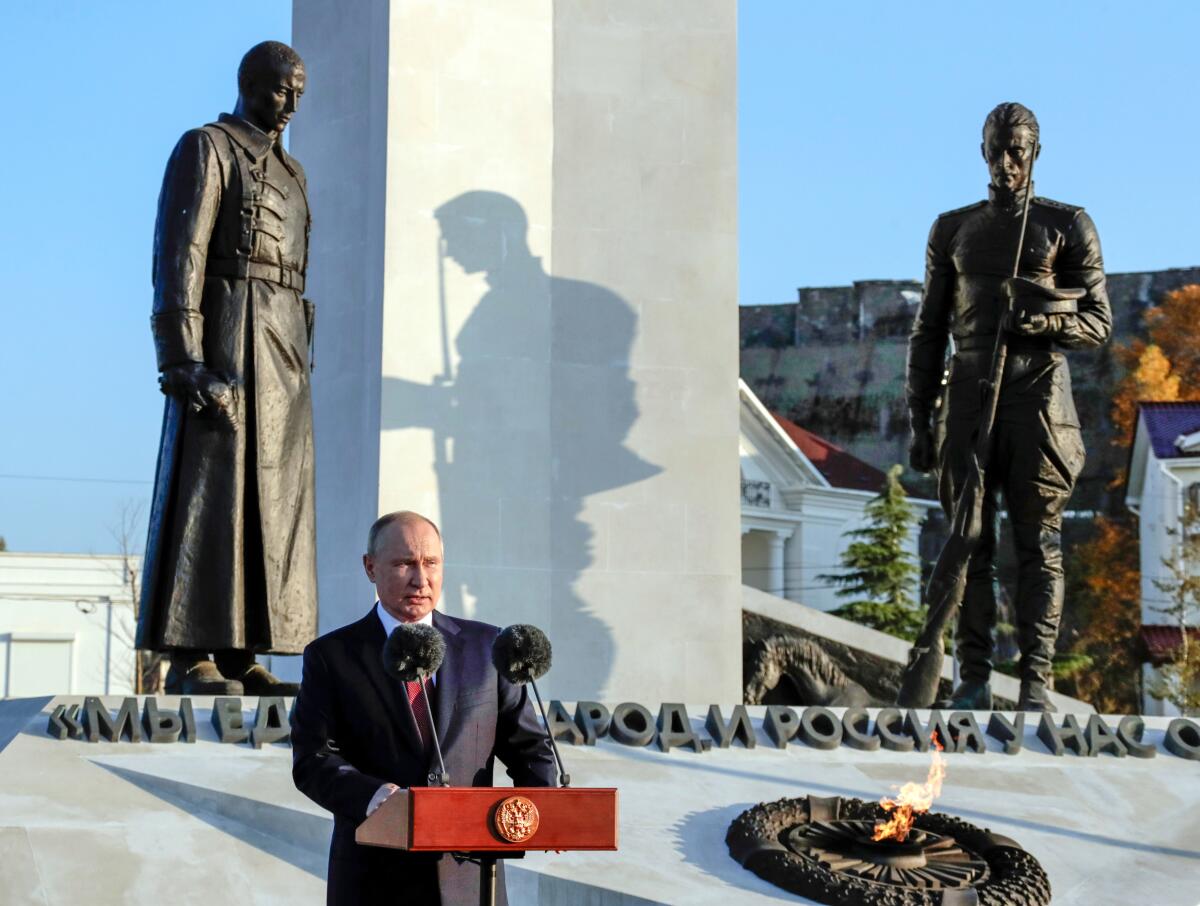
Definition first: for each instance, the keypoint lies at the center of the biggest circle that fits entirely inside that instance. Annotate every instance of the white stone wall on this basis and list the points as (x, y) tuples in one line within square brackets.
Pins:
[(1152, 539), (465, 428), (66, 624), (524, 258), (645, 217), (828, 515)]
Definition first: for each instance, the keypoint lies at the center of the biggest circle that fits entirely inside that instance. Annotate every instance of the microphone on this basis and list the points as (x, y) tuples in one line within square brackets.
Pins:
[(411, 653), (521, 654)]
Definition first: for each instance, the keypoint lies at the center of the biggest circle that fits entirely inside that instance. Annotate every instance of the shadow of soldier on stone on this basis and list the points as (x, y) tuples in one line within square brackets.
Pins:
[(517, 453)]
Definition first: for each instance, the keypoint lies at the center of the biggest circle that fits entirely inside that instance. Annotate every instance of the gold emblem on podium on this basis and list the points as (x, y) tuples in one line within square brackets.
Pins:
[(516, 819)]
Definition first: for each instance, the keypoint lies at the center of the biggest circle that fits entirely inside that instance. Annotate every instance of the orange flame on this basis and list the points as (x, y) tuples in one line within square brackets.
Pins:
[(913, 798)]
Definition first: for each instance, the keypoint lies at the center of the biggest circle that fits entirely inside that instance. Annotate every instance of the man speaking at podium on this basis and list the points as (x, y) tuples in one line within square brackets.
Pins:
[(355, 740)]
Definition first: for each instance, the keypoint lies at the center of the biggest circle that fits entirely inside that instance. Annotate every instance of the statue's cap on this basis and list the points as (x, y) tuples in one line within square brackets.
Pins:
[(1037, 298)]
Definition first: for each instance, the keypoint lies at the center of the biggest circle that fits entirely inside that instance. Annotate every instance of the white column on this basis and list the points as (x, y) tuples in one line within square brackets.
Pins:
[(776, 542), (524, 251)]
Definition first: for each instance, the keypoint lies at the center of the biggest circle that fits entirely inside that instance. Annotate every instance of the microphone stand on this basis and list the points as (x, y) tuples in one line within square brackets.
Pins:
[(564, 779), (438, 777)]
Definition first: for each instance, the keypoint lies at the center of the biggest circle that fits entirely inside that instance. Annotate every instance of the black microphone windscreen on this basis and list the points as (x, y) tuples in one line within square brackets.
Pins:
[(521, 653), (413, 651)]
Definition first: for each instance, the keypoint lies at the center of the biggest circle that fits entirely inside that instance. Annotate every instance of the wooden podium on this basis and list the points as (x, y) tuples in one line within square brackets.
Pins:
[(489, 823)]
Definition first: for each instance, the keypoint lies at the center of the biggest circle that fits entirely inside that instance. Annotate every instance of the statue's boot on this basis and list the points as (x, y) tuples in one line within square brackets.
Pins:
[(260, 681), (253, 676), (203, 678), (1034, 696), (971, 695), (974, 642)]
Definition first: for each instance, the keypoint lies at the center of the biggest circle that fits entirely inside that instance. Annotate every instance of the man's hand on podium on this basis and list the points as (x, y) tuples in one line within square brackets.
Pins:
[(380, 795)]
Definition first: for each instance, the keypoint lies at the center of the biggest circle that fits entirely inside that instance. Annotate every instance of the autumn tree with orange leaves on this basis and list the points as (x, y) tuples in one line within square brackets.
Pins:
[(1104, 572), (1106, 585), (1148, 376), (1165, 369), (1175, 326)]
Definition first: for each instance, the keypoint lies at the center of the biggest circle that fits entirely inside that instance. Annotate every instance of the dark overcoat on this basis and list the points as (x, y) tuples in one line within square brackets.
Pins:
[(353, 731), (230, 558)]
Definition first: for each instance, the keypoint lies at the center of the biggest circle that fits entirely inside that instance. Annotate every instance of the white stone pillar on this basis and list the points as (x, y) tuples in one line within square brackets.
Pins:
[(524, 262), (775, 551)]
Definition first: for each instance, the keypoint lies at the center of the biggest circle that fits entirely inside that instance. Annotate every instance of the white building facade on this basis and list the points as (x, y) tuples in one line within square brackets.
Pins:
[(800, 495), (67, 624), (1164, 477)]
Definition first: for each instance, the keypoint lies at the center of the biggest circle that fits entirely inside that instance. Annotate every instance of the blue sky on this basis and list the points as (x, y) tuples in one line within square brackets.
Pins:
[(858, 123)]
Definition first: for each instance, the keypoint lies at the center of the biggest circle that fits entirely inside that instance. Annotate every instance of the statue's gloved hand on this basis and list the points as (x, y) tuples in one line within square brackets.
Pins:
[(205, 392), (921, 448), (1041, 325)]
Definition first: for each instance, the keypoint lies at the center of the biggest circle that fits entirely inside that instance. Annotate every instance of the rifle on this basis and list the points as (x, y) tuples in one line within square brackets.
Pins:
[(441, 446), (948, 582), (447, 375)]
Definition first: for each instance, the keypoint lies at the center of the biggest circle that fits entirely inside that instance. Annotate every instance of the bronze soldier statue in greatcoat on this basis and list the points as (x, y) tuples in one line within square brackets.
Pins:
[(230, 566), (1036, 450)]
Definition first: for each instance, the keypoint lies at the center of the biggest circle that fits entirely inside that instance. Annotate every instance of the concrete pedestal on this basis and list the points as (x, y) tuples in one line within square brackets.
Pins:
[(210, 822)]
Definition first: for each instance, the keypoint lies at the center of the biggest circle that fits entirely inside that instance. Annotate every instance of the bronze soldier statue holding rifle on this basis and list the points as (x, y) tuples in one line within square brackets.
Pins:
[(1009, 282)]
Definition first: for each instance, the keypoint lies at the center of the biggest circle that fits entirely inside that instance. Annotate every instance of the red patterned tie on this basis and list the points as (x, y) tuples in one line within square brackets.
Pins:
[(416, 698)]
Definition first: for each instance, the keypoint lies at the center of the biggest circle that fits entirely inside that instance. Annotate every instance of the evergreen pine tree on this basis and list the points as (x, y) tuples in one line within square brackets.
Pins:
[(877, 571)]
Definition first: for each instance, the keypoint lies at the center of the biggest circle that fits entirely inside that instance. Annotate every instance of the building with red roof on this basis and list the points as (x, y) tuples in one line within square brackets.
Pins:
[(841, 469), (800, 495)]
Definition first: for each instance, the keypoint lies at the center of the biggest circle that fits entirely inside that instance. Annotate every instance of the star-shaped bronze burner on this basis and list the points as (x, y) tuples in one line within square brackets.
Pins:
[(823, 849)]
